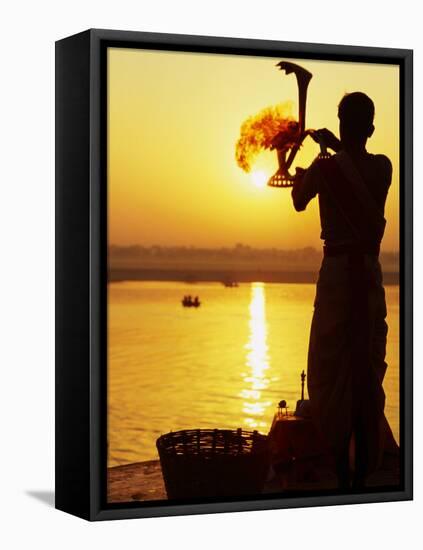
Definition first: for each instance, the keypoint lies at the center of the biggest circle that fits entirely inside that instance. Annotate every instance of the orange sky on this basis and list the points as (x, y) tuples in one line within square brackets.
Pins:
[(174, 119)]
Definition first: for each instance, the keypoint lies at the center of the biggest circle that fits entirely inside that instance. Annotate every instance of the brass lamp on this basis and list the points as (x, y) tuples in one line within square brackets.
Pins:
[(287, 143)]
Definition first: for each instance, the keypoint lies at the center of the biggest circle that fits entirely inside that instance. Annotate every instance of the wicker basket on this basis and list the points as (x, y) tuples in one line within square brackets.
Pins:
[(213, 463)]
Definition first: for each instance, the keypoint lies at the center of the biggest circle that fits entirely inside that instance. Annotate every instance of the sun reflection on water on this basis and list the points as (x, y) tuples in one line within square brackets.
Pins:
[(257, 360)]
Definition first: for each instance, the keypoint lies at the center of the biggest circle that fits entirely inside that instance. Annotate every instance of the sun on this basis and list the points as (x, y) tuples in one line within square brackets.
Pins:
[(259, 178)]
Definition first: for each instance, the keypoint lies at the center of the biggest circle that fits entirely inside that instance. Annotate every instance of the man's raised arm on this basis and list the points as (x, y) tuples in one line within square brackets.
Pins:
[(305, 187)]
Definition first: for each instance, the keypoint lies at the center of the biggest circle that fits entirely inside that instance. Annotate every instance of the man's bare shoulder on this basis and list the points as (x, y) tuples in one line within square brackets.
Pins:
[(384, 168), (383, 162), (382, 159)]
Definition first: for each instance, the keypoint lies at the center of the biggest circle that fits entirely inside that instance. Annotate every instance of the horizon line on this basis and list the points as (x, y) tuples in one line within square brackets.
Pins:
[(219, 247)]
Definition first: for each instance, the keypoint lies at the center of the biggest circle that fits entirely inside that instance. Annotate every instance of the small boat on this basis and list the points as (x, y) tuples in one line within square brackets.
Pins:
[(230, 284), (187, 301)]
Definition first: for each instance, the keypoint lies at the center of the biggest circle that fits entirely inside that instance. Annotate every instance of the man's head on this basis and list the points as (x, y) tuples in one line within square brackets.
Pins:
[(356, 112)]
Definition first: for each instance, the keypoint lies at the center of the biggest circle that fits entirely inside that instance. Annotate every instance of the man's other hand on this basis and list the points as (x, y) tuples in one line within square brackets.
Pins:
[(328, 138)]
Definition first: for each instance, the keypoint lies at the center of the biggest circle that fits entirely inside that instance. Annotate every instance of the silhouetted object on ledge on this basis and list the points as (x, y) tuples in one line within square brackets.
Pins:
[(303, 405), (281, 406), (301, 459), (209, 463), (187, 301)]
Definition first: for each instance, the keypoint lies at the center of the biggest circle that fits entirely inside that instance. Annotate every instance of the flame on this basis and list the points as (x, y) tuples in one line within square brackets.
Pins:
[(259, 132)]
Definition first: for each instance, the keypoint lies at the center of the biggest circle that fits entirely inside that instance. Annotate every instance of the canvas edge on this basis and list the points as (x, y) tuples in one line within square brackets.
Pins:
[(98, 39), (72, 367)]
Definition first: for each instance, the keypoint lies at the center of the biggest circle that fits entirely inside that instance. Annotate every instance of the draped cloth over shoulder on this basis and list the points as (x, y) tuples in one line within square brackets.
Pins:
[(346, 363)]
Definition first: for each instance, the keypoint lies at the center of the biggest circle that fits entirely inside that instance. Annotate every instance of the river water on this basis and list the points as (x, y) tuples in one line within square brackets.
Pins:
[(225, 364)]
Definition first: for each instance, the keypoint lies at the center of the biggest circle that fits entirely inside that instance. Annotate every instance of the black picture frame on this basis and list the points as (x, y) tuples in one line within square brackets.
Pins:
[(81, 268)]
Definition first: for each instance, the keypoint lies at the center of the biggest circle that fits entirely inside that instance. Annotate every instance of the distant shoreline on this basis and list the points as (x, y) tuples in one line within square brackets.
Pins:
[(222, 276)]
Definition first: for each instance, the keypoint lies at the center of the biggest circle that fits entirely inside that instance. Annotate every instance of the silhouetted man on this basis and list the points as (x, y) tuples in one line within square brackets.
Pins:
[(346, 360)]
